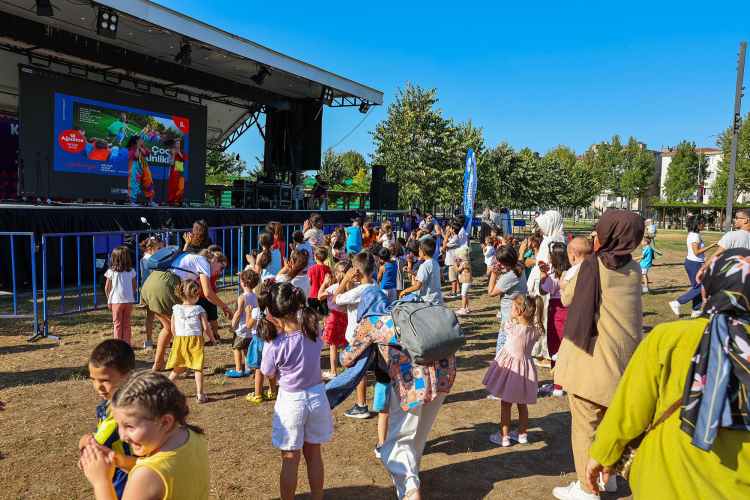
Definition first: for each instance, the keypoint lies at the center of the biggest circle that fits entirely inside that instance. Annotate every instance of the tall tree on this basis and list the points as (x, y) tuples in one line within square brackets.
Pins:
[(742, 168), (495, 177), (638, 168), (351, 163), (609, 162), (331, 167), (682, 175), (222, 167)]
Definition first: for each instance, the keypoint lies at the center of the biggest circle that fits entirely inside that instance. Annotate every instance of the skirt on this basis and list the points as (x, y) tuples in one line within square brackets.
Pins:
[(187, 352), (335, 330), (254, 353), (157, 293), (512, 379)]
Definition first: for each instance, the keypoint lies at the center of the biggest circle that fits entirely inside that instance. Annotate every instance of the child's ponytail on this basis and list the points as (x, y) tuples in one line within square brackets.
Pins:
[(265, 329), (265, 240), (539, 312), (283, 301)]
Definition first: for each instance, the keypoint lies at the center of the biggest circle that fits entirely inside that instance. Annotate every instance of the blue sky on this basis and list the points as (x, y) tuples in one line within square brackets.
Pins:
[(535, 75)]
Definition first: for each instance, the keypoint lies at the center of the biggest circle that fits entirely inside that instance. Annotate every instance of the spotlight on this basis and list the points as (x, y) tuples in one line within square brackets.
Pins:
[(44, 8), (107, 23), (364, 107), (183, 56), (262, 74), (327, 95)]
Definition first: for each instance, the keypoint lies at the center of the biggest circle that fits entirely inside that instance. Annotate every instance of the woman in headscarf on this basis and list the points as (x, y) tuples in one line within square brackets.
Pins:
[(700, 371), (603, 330), (487, 223)]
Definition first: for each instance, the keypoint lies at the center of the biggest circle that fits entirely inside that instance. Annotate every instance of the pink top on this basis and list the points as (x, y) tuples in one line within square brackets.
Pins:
[(552, 286), (331, 291), (520, 339), (133, 154)]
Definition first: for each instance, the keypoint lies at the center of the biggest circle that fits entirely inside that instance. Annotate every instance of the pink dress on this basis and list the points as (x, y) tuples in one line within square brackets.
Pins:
[(512, 375)]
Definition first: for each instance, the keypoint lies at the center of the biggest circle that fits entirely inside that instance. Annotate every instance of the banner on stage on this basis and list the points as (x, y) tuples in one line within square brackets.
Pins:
[(8, 159), (470, 188)]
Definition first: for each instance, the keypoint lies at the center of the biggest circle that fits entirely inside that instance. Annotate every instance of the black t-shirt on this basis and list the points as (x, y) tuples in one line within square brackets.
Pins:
[(380, 367)]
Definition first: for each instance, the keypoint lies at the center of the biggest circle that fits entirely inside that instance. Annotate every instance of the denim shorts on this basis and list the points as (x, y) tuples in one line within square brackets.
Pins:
[(382, 398), (301, 417)]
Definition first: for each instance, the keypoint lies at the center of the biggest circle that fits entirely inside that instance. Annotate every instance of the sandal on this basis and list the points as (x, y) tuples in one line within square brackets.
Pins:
[(201, 398), (409, 493), (249, 372), (253, 398), (189, 373), (270, 395), (233, 373)]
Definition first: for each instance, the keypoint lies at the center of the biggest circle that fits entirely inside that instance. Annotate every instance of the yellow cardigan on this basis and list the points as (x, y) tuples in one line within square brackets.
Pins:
[(667, 466)]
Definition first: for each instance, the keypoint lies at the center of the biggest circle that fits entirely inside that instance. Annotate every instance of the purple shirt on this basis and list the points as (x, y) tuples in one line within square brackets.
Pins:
[(295, 359)]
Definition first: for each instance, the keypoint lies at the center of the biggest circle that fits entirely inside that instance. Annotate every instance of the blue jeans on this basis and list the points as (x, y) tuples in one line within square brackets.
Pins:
[(692, 267)]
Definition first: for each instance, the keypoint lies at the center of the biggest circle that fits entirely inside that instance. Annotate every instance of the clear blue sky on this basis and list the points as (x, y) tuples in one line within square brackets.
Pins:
[(536, 75)]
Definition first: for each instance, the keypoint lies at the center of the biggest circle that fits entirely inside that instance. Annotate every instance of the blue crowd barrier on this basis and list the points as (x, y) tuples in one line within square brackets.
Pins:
[(13, 239)]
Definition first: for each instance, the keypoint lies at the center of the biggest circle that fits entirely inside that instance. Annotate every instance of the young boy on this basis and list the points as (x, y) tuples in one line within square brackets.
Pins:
[(427, 281), (110, 364), (354, 236), (646, 259), (363, 265), (299, 243), (578, 249), (243, 322), (450, 246), (317, 275)]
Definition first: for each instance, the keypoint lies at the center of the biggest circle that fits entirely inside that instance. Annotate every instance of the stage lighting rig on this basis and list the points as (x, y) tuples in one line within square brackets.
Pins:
[(364, 107), (44, 8), (326, 96), (262, 74), (107, 22), (183, 56)]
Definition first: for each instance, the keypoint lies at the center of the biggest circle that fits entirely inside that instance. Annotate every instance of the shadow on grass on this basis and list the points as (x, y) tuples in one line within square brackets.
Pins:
[(364, 492)]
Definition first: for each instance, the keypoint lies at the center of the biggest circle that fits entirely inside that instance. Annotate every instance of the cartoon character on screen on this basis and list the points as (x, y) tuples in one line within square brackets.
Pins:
[(139, 175), (176, 184)]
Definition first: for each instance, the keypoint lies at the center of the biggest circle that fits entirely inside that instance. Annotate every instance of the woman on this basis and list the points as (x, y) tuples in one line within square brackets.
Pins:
[(158, 292), (603, 329), (198, 239), (695, 258), (701, 451), (139, 175), (176, 185), (487, 223), (413, 222)]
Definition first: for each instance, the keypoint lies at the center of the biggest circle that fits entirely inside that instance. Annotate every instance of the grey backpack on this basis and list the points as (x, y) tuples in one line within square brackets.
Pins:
[(427, 332)]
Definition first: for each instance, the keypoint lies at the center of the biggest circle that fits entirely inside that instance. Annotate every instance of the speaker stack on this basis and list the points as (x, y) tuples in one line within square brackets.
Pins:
[(244, 194), (383, 195)]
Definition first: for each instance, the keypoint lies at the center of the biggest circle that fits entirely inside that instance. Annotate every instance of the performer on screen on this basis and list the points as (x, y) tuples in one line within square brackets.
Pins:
[(139, 176), (176, 184)]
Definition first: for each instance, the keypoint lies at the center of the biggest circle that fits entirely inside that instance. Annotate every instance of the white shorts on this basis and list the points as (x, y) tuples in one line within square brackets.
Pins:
[(391, 293), (644, 270), (301, 417), (465, 289)]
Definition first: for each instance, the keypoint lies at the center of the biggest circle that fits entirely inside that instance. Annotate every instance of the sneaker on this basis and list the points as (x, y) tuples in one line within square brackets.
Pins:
[(518, 438), (450, 295), (152, 204), (610, 486), (358, 412), (463, 310), (499, 315), (646, 289), (696, 314), (547, 390), (328, 376), (558, 392), (148, 344), (492, 397), (498, 438), (133, 204), (377, 450), (573, 492), (675, 306)]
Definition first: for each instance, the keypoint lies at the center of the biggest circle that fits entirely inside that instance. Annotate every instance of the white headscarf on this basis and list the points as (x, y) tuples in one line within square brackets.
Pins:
[(551, 224)]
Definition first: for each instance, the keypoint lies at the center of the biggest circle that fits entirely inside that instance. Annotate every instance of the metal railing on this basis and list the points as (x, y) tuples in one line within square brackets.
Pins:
[(13, 241)]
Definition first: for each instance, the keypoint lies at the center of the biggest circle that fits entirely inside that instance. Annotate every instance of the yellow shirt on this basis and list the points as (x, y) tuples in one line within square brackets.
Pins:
[(185, 471), (667, 465)]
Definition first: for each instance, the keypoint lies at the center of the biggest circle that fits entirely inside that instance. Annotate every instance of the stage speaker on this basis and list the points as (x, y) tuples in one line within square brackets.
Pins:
[(244, 194), (378, 175), (384, 196)]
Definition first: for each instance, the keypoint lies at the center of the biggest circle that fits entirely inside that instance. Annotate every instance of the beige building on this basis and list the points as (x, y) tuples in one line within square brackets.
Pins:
[(713, 156)]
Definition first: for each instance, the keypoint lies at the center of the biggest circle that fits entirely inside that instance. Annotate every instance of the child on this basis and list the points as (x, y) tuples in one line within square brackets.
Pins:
[(327, 245), (317, 274), (354, 236), (120, 289), (509, 240), (110, 365), (149, 246), (488, 248), (302, 416), (367, 234), (412, 259), (578, 249), (507, 280), (512, 376), (388, 274), (338, 243), (243, 321), (268, 263), (387, 238), (254, 358), (313, 230), (381, 400), (336, 322), (427, 281), (363, 265), (450, 246), (463, 268), (188, 324), (557, 314), (397, 253), (497, 235), (299, 243), (172, 458), (646, 259), (294, 271)]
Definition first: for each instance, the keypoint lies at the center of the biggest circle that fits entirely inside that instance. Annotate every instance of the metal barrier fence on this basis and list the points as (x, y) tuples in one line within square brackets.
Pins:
[(13, 240)]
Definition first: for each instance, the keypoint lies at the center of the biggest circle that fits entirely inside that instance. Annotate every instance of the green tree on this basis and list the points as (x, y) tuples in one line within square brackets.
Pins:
[(742, 168), (222, 167), (493, 178), (682, 176), (351, 163), (637, 174), (572, 181), (609, 165)]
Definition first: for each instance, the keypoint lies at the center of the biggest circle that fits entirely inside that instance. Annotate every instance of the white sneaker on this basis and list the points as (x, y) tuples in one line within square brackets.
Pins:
[(610, 486), (518, 438), (696, 314), (498, 438), (675, 306), (573, 492), (462, 311), (148, 344), (328, 376), (558, 392)]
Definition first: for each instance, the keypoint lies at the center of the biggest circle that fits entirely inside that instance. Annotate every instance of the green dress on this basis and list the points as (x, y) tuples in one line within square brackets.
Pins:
[(667, 465)]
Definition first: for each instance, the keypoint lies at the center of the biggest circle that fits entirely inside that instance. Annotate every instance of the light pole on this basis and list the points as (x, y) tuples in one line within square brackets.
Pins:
[(700, 173)]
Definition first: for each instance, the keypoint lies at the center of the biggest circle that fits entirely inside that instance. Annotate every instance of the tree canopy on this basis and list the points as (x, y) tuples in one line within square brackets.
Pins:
[(742, 168)]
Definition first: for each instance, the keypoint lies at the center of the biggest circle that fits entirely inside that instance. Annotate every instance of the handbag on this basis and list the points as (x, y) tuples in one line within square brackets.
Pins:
[(625, 463), (179, 166)]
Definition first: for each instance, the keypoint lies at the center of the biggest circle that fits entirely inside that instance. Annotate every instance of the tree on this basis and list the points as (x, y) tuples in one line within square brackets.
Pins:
[(495, 175), (222, 167), (637, 174), (742, 168), (351, 163), (682, 176), (572, 181), (609, 165)]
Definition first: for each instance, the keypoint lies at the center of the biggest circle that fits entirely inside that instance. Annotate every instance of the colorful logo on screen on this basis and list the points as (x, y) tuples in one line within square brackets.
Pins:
[(182, 123), (72, 141)]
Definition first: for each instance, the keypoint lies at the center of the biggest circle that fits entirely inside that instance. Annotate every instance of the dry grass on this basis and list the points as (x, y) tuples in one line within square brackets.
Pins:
[(51, 404)]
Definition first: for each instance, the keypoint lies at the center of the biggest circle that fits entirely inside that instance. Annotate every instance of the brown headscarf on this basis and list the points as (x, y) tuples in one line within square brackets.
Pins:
[(619, 232)]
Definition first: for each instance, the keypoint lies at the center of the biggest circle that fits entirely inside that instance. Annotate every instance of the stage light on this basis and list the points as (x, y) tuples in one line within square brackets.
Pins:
[(44, 8), (364, 107), (107, 25), (327, 95), (262, 74), (183, 56)]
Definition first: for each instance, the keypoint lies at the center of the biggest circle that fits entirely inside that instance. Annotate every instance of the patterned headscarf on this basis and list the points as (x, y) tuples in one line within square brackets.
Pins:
[(715, 394)]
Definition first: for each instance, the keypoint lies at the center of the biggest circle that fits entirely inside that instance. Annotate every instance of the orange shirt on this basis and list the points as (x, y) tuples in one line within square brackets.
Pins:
[(99, 154)]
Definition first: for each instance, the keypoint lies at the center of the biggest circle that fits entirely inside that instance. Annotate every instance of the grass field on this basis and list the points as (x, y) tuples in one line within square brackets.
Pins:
[(51, 404)]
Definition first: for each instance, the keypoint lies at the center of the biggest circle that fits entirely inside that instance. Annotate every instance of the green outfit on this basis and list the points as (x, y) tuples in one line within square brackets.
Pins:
[(158, 292), (116, 127), (667, 465), (528, 255)]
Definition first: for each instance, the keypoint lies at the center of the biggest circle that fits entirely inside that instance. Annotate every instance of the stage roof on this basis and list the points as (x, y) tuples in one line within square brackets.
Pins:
[(220, 74)]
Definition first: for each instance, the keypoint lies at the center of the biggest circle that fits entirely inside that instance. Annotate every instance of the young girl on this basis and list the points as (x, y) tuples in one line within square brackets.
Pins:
[(488, 248), (338, 243), (302, 416), (463, 268), (335, 325), (509, 240), (368, 234), (294, 271), (244, 321), (254, 357), (120, 289), (189, 321), (149, 246), (397, 254), (387, 237), (172, 457), (313, 230), (557, 314), (388, 274), (507, 280), (329, 249), (512, 375), (268, 263)]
